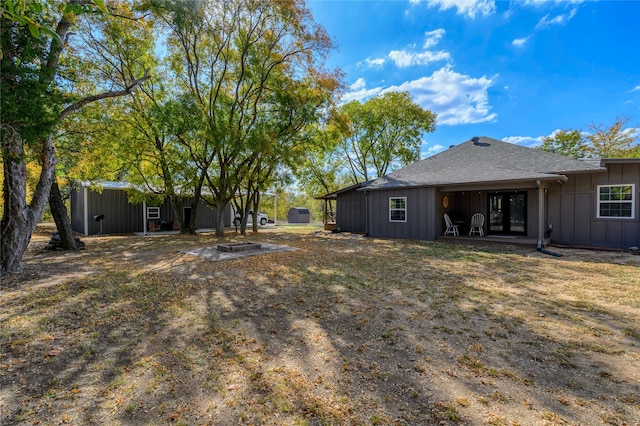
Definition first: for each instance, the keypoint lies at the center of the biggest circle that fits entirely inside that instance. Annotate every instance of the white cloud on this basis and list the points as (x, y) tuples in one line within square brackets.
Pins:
[(432, 150), (557, 20), (527, 141), (469, 8), (519, 42), (541, 2), (373, 63), (530, 141), (404, 59), (456, 98), (432, 38), (636, 89), (359, 91), (359, 84)]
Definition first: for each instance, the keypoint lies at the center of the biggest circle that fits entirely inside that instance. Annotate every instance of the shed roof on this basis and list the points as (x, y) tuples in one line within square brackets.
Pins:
[(482, 160)]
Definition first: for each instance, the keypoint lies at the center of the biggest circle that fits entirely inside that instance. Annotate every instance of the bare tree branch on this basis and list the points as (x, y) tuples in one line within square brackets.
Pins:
[(111, 94)]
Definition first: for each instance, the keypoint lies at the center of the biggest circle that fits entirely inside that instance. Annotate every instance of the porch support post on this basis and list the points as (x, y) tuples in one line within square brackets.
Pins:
[(540, 214)]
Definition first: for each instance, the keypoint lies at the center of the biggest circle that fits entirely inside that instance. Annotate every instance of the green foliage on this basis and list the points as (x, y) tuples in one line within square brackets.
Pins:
[(382, 134), (615, 141), (565, 142), (251, 71)]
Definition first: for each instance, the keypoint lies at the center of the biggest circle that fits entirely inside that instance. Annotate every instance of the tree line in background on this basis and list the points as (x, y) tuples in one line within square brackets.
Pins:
[(599, 141)]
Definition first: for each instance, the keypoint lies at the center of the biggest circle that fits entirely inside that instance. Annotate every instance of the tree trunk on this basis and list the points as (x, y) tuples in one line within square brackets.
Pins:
[(193, 218), (19, 220), (220, 221), (256, 206), (60, 216)]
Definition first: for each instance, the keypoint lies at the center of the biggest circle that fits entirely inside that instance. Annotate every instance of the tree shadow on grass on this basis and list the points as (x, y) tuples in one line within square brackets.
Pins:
[(341, 332)]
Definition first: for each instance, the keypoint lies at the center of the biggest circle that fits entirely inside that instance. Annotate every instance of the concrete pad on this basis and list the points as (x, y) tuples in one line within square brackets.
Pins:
[(212, 253)]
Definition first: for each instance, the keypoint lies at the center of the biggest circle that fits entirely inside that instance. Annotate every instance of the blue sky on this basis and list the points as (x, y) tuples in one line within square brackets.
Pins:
[(511, 70)]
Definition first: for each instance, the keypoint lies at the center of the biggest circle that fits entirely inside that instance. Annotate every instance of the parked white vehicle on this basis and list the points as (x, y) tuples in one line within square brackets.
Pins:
[(262, 218)]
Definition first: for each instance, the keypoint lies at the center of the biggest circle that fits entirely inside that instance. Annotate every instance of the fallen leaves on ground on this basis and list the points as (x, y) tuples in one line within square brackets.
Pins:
[(346, 330)]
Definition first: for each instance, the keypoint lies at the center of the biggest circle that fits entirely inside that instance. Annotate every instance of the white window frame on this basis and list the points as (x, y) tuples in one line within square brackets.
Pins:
[(392, 209), (153, 212), (632, 201)]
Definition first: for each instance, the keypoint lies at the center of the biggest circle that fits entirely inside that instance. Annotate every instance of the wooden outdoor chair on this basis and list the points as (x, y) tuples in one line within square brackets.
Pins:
[(451, 228), (154, 226), (176, 225), (477, 222)]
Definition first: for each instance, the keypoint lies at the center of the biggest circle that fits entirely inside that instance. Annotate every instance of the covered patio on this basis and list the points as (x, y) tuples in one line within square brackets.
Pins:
[(511, 211)]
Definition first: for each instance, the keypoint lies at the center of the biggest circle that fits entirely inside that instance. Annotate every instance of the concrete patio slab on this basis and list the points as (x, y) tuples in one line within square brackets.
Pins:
[(213, 254)]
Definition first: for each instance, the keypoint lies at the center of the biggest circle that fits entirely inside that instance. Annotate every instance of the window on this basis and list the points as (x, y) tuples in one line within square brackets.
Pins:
[(398, 209), (616, 201), (153, 212)]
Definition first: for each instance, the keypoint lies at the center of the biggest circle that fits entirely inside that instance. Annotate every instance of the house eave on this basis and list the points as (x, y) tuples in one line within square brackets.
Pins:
[(529, 183)]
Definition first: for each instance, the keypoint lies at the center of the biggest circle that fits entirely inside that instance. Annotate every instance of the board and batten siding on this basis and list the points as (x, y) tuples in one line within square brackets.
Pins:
[(573, 210), (76, 201), (351, 211), (420, 223), (120, 216)]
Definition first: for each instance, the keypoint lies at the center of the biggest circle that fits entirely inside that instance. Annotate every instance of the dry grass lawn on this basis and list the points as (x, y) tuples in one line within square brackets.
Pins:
[(344, 331)]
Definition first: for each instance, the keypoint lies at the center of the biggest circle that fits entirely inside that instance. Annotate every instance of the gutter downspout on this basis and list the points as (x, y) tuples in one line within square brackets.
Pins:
[(541, 217), (540, 214), (86, 209)]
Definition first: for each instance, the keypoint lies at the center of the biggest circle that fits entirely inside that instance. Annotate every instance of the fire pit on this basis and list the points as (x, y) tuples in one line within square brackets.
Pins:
[(235, 247)]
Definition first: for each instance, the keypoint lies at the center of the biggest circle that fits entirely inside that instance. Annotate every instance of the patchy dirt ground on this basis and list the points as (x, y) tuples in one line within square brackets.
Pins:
[(345, 330)]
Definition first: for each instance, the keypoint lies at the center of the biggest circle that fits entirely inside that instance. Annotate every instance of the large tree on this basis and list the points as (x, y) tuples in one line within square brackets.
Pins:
[(237, 59), (383, 133), (614, 141), (148, 132), (36, 96), (565, 142), (598, 141)]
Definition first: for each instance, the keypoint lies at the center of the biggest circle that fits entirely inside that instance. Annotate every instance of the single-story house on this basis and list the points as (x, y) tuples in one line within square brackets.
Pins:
[(522, 192), (120, 215)]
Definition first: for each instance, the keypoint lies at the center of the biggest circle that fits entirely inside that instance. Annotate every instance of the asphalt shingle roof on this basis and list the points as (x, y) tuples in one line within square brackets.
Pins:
[(486, 160)]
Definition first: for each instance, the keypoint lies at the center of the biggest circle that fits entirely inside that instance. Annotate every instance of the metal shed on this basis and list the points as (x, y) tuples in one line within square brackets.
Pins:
[(298, 215), (120, 215)]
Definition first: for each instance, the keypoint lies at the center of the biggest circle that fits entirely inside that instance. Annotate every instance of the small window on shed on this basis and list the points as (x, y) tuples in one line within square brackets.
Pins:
[(397, 209), (616, 201), (153, 212)]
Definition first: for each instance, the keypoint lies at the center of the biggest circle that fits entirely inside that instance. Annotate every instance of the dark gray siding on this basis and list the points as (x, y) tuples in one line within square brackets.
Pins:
[(420, 224), (206, 216), (76, 202), (351, 214), (120, 216), (572, 210)]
